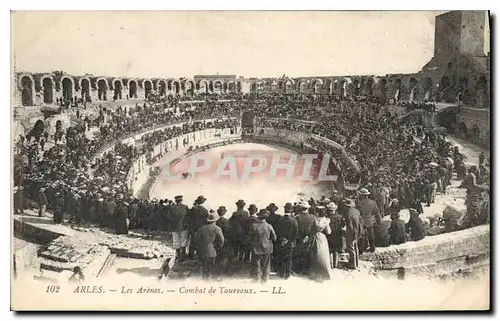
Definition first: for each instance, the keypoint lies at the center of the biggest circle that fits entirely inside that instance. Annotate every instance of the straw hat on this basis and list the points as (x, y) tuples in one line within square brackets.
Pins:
[(364, 191), (212, 217), (349, 203), (331, 206)]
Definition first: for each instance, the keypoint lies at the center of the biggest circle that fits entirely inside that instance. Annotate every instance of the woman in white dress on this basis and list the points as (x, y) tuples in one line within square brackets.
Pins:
[(319, 268)]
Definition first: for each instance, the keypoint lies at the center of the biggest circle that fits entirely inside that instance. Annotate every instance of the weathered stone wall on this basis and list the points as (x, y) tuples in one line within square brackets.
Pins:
[(439, 254)]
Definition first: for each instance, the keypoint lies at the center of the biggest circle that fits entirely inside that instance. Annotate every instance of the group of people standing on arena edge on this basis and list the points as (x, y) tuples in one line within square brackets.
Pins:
[(307, 239)]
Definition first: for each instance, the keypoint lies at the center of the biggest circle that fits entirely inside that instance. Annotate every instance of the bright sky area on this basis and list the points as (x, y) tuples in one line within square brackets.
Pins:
[(251, 44)]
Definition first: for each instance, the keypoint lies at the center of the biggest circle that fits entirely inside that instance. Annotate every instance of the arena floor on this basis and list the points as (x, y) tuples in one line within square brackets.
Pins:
[(258, 189)]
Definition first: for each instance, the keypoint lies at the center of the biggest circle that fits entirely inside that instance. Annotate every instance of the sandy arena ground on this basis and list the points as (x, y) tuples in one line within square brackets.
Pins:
[(259, 189)]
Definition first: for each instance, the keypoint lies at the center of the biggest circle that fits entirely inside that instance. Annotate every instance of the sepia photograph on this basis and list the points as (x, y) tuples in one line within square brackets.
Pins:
[(250, 160)]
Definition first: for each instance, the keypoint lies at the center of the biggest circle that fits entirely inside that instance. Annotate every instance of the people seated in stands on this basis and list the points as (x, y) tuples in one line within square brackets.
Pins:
[(393, 166)]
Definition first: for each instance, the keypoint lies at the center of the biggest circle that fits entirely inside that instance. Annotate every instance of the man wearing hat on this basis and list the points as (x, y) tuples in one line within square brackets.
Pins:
[(261, 237), (196, 218), (208, 240), (237, 223), (287, 231), (177, 226), (305, 222), (272, 219), (252, 211), (354, 231), (42, 202), (335, 238), (369, 211), (227, 250)]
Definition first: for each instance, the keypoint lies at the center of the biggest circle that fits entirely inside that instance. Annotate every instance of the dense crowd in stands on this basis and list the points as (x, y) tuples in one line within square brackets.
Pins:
[(396, 165)]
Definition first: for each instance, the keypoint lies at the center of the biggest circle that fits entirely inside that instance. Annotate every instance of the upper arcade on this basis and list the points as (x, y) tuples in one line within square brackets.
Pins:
[(458, 73)]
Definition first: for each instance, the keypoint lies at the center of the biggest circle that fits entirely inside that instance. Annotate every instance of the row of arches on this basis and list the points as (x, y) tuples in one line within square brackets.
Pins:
[(117, 87), (443, 89)]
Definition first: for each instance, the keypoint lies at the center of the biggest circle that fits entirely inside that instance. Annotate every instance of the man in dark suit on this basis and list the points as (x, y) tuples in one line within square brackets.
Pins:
[(261, 237), (237, 222), (287, 231), (227, 250), (196, 219), (252, 211), (369, 211), (177, 225), (305, 222), (208, 240), (272, 219), (354, 230)]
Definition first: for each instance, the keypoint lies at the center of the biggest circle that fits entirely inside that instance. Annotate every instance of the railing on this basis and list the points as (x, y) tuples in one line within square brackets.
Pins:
[(146, 130)]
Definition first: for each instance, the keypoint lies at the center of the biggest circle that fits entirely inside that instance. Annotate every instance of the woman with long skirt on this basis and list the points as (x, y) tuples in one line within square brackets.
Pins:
[(319, 268)]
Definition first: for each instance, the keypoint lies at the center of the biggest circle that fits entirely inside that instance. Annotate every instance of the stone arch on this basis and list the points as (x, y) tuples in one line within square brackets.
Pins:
[(368, 86), (27, 86), (155, 84), (202, 86), (317, 84), (232, 87), (382, 85), (162, 87), (444, 89), (329, 86), (398, 88), (169, 85), (176, 87), (189, 87), (132, 88), (253, 87), (102, 89), (356, 87), (342, 87), (238, 86), (413, 88), (427, 85), (85, 87), (117, 89), (288, 85), (362, 86), (48, 89), (302, 86), (211, 86), (68, 86), (148, 87), (218, 86)]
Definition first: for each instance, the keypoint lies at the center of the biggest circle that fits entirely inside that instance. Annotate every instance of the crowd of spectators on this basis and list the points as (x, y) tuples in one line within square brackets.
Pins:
[(393, 161)]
